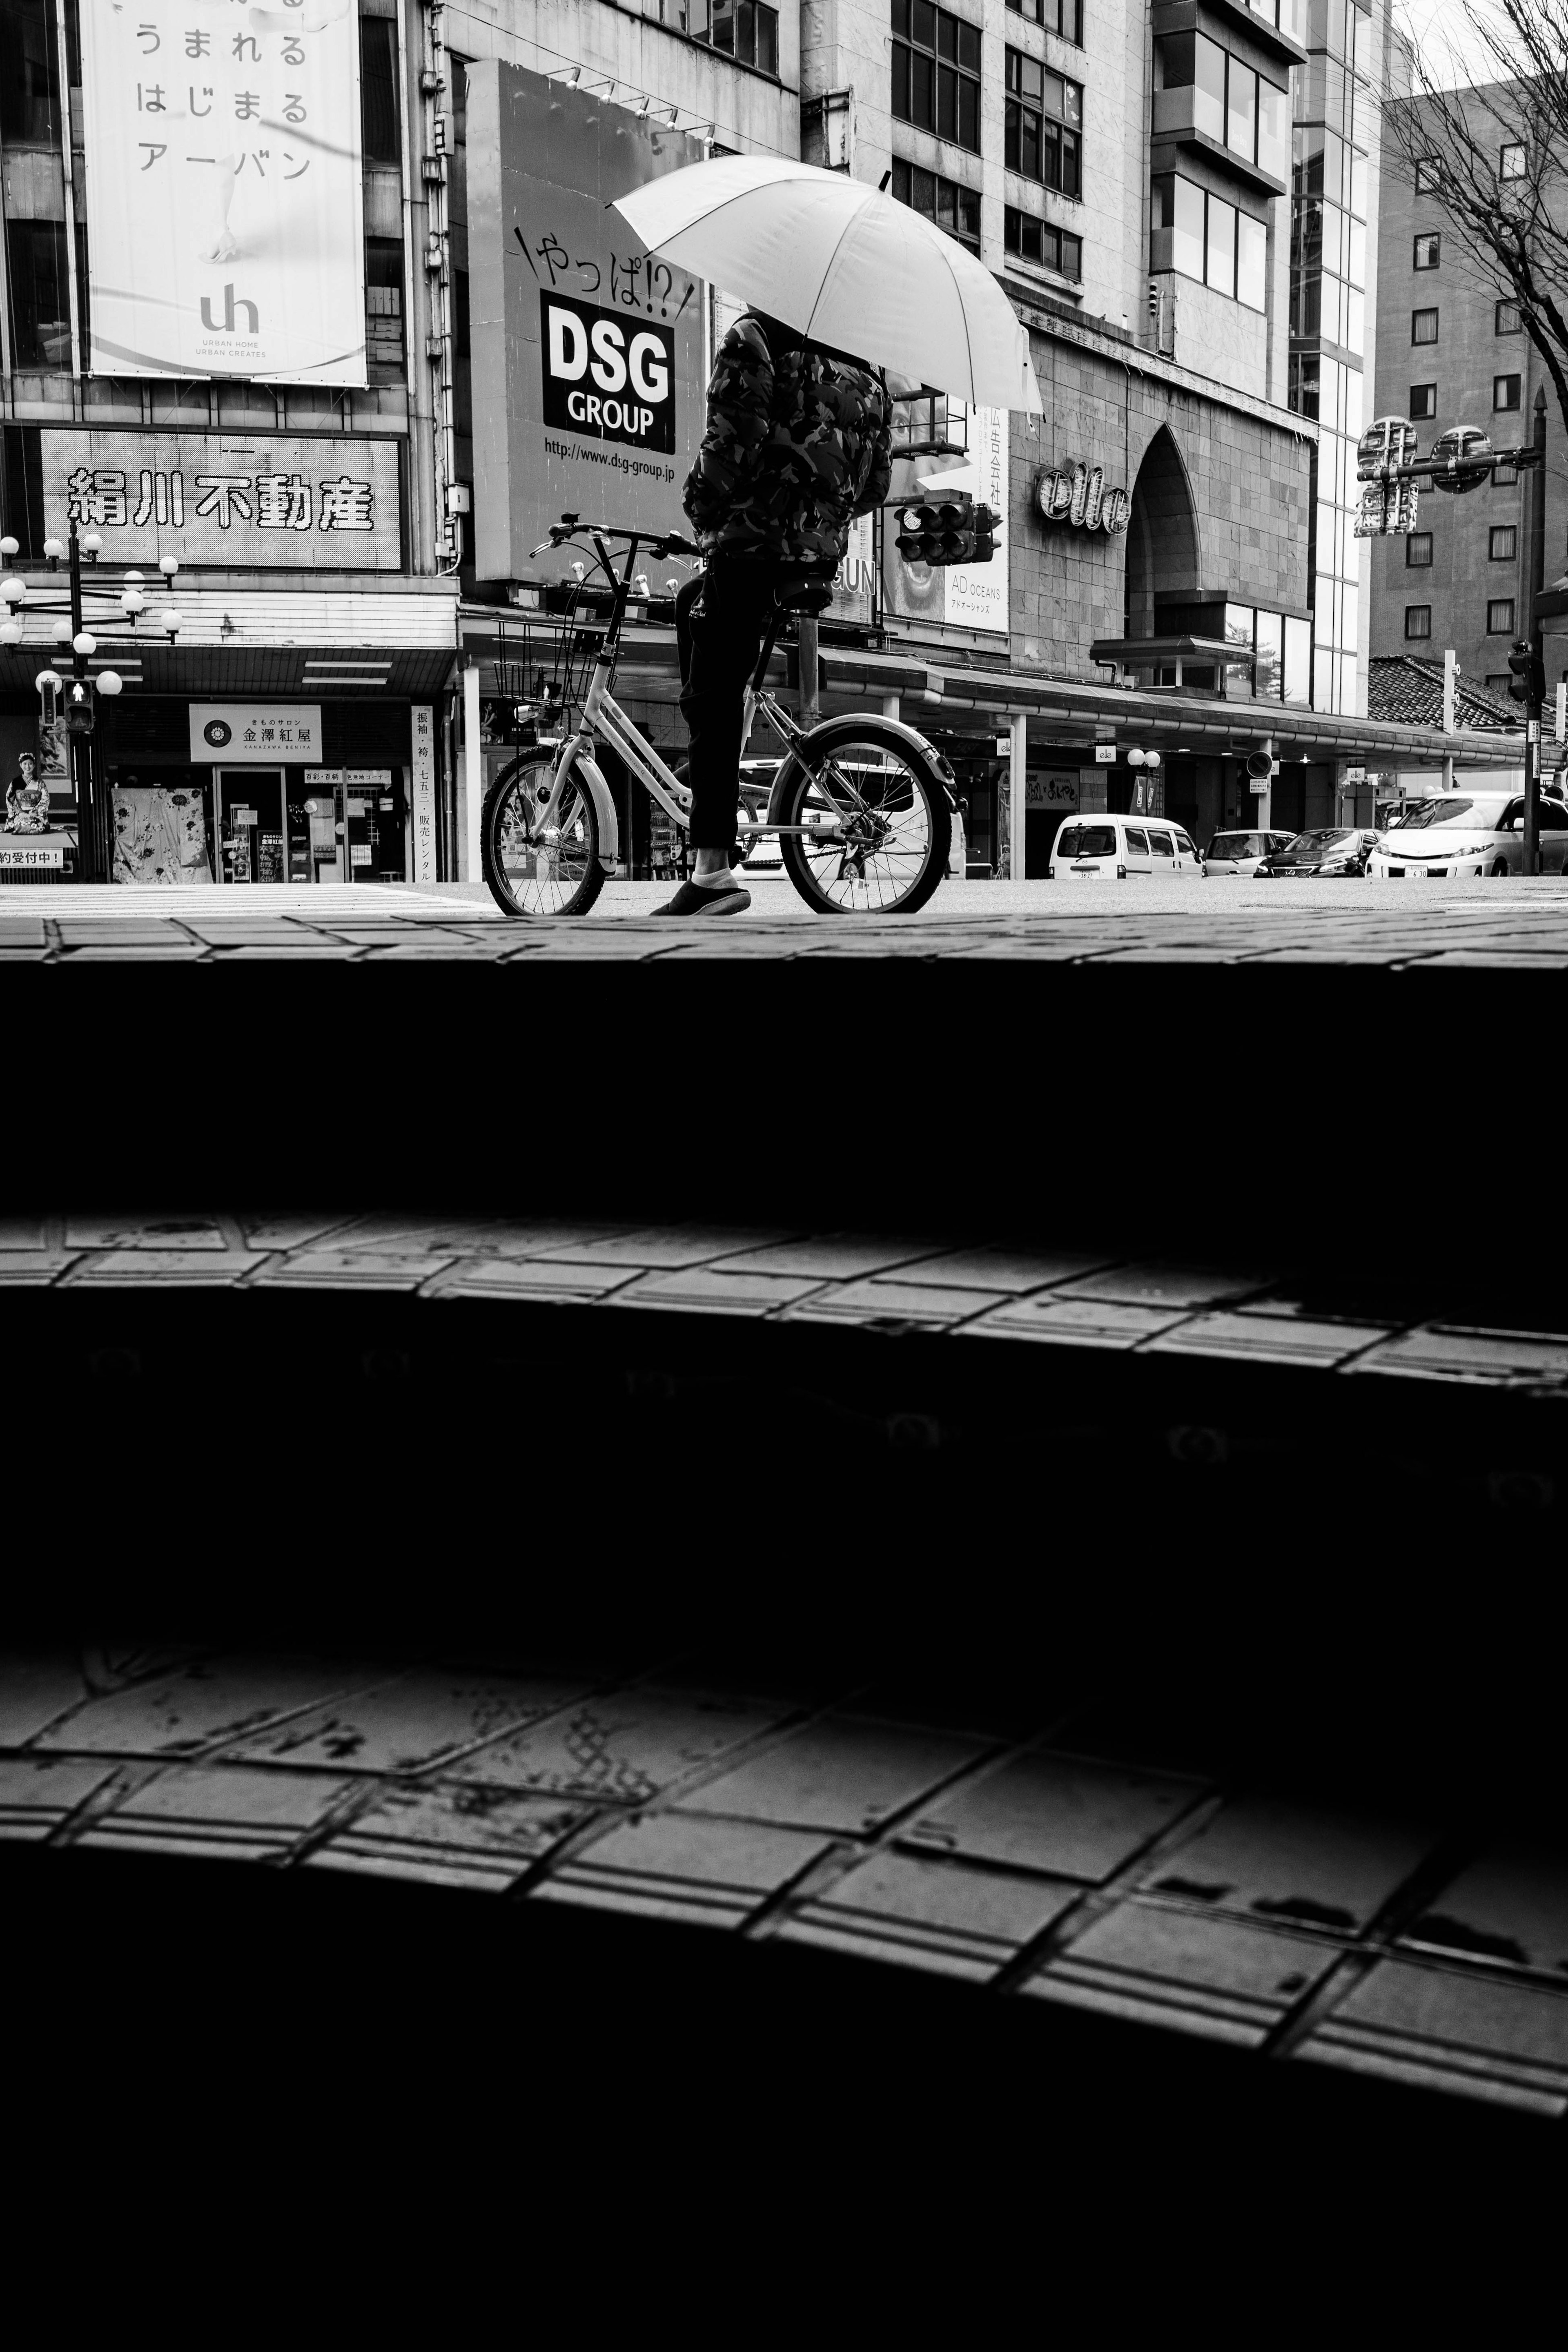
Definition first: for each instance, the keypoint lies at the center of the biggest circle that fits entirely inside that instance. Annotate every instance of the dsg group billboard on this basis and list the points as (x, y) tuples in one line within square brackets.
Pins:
[(224, 203), (587, 353)]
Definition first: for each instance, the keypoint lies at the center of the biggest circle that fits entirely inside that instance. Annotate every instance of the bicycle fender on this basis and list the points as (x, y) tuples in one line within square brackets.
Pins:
[(604, 809), (844, 729)]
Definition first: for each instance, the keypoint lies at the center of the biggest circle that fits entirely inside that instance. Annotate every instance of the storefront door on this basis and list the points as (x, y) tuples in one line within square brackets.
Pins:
[(376, 811), (250, 825)]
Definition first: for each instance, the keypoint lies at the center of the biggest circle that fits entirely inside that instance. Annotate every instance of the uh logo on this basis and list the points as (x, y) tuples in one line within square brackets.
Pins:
[(231, 310)]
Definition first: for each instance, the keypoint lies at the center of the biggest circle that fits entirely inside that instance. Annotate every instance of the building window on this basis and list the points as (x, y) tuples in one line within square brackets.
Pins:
[(1426, 178), (1499, 682), (744, 29), (40, 297), (936, 72), (1505, 319), (1505, 475), (1510, 161), (1505, 392), (1424, 325), (1061, 16), (1231, 104), (1503, 543), (955, 209), (1043, 124), (1428, 251), (1499, 617), (378, 90), (1210, 239), (1418, 620), (1418, 550), (1422, 400), (1039, 241), (29, 76)]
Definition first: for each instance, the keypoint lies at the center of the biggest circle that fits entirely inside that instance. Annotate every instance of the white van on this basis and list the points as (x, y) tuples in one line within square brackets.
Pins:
[(1122, 849)]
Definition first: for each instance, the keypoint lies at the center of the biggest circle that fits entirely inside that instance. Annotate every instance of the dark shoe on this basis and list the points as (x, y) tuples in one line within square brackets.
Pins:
[(689, 900)]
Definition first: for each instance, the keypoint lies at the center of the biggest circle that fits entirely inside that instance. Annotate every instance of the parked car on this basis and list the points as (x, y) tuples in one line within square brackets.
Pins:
[(1509, 854), (1122, 849), (1238, 853), (1334, 849), (1460, 832)]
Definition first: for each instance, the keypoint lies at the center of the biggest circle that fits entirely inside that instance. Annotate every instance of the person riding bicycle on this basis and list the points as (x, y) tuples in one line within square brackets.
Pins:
[(798, 443)]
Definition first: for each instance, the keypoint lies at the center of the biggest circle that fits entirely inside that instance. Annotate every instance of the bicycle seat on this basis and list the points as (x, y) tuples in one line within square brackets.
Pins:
[(804, 588)]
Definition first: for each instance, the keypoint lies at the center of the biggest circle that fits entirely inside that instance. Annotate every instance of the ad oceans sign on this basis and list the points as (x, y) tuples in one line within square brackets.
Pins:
[(224, 213), (589, 391)]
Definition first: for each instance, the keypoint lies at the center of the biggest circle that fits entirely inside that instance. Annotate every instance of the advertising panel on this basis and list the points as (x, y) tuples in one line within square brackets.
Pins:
[(260, 734), (250, 499), (422, 792), (588, 380), (969, 596), (224, 203)]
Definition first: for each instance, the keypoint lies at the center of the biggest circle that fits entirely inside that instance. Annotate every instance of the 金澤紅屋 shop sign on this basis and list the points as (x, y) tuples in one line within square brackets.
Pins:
[(589, 375)]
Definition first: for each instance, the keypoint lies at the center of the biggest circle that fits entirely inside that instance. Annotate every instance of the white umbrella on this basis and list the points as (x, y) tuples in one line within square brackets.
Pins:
[(847, 266)]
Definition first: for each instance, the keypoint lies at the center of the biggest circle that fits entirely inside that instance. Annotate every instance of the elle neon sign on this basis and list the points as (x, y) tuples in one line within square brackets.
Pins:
[(1078, 495)]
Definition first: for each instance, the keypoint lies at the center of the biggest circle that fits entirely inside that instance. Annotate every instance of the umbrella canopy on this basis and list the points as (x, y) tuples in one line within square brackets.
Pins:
[(847, 266)]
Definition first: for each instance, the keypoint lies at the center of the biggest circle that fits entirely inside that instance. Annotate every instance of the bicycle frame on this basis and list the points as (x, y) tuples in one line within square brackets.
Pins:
[(603, 717)]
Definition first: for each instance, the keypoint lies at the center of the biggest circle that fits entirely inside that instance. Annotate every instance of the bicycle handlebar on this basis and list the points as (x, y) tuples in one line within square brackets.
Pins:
[(659, 544)]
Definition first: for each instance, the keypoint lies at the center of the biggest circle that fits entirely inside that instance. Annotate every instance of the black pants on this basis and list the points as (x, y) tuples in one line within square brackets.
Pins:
[(719, 631)]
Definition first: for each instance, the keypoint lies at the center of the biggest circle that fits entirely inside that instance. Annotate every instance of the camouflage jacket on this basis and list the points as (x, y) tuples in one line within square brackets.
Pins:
[(797, 443)]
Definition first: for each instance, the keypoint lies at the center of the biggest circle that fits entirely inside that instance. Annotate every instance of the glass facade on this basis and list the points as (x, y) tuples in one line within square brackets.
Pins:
[(1333, 147)]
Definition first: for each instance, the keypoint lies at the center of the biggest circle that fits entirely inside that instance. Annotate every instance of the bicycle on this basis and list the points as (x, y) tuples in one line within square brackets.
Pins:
[(861, 806)]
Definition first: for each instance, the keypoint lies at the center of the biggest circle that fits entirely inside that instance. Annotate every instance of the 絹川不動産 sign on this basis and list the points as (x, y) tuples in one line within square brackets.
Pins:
[(306, 503), (225, 211)]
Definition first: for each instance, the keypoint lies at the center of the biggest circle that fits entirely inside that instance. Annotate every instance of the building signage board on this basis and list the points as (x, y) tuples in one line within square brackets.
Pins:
[(248, 499), (1057, 791), (255, 734), (963, 595), (225, 234), (855, 581), (422, 792), (588, 375)]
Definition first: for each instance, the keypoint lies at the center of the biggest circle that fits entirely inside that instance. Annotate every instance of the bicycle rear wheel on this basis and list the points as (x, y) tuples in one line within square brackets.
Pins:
[(540, 851), (877, 825)]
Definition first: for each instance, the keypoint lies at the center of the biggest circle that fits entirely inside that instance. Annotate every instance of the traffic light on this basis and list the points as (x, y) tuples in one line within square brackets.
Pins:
[(1528, 683), (949, 531)]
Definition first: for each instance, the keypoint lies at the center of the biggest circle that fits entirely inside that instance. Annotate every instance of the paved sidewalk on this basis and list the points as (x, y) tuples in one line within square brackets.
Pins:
[(1038, 1854)]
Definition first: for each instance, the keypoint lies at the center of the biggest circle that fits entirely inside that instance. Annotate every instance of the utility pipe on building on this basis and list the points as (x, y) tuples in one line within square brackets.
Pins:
[(1450, 704), (1017, 793), (1536, 542)]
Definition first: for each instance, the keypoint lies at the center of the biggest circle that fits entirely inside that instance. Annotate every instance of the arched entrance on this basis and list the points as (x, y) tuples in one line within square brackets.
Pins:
[(1162, 537)]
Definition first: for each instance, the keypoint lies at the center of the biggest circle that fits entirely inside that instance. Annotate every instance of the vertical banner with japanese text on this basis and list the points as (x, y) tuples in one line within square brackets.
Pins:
[(422, 793), (223, 199), (587, 352)]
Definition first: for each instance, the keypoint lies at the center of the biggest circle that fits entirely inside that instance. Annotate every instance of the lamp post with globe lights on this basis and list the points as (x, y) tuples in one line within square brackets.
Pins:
[(79, 693)]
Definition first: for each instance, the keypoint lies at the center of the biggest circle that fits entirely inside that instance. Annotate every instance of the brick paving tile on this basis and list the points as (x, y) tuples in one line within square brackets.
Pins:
[(411, 1722), (664, 1245), (1152, 1282), (844, 1773), (32, 1691), (287, 1232), (715, 1290), (1450, 2030), (446, 1834), (385, 1268), (1054, 1814), (894, 1298), (1076, 1322), (154, 1233), (37, 1792), (899, 1907), (1509, 1907), (212, 1699), (34, 1268), (669, 1866), (1445, 1351), (219, 1809), (625, 1748), (1307, 1864), (547, 1280), (1288, 1339), (995, 1267), (829, 1257), (1215, 1976), (101, 1268)]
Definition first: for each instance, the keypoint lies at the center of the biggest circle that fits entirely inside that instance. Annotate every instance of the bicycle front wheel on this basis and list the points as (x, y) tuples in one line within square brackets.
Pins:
[(540, 847), (866, 827)]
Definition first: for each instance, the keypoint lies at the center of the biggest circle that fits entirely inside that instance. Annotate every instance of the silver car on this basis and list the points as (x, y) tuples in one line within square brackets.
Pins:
[(1240, 852)]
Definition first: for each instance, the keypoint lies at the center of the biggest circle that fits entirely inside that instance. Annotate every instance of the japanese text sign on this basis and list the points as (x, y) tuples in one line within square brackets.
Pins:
[(255, 734), (223, 201), (422, 792), (316, 504), (589, 394)]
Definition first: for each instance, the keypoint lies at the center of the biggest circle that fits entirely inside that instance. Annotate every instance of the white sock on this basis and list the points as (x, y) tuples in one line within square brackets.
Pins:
[(724, 881)]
